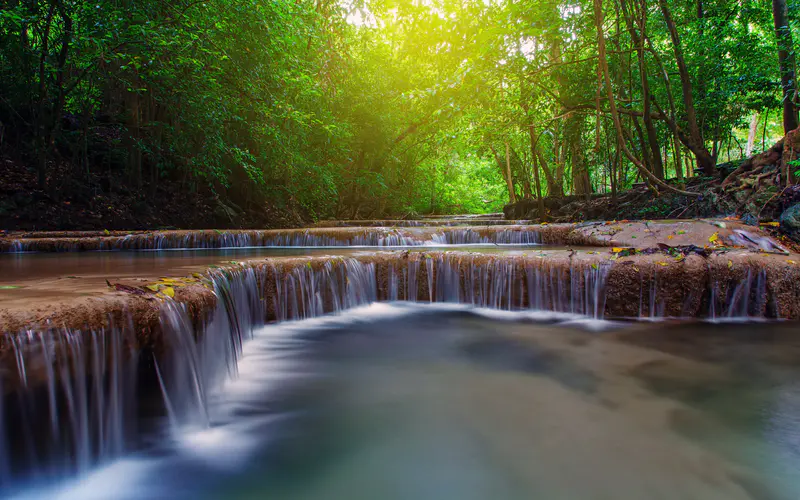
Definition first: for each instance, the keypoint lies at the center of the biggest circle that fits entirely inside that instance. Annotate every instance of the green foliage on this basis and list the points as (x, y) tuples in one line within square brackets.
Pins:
[(380, 108)]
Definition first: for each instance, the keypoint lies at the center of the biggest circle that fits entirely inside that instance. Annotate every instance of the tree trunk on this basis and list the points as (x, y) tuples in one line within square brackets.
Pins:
[(676, 144), (695, 139), (786, 61), (512, 197), (506, 173), (603, 61), (638, 40), (751, 136), (535, 157)]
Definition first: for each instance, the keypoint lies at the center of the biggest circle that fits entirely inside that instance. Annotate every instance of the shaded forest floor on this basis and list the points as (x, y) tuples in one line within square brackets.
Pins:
[(640, 203), (90, 203)]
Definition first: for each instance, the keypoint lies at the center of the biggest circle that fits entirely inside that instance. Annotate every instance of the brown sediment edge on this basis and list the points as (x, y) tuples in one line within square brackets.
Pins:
[(682, 285)]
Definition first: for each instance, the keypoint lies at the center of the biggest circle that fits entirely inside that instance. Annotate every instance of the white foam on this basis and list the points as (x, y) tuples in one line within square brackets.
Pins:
[(119, 480)]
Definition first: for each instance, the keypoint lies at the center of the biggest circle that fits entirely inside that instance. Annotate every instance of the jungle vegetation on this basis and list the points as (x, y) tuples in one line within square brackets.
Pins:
[(366, 108)]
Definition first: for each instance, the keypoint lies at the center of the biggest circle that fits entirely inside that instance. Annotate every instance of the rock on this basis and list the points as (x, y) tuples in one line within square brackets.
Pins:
[(750, 219), (790, 222)]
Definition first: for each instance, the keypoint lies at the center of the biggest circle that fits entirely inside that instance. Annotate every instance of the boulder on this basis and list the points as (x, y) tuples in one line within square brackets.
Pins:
[(790, 222)]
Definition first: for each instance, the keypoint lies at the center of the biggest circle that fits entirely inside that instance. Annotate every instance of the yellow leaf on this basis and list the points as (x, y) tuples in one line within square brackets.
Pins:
[(791, 262), (670, 237), (714, 237), (616, 249), (636, 269), (662, 263), (152, 288), (594, 266), (168, 291), (730, 264), (771, 224)]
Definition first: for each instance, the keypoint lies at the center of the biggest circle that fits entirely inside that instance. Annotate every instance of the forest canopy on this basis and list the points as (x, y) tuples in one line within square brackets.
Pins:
[(358, 109)]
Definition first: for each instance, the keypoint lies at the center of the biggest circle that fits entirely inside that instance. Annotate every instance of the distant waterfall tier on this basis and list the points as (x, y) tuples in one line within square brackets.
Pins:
[(314, 237)]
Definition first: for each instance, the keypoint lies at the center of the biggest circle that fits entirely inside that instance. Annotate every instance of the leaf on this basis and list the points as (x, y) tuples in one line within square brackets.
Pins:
[(594, 266), (617, 249), (670, 237), (681, 232), (169, 292), (730, 264), (152, 288), (633, 236), (106, 232), (636, 269), (791, 262), (771, 224), (662, 263), (9, 287), (713, 238)]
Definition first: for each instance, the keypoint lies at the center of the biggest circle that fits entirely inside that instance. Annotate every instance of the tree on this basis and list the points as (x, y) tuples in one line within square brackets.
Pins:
[(786, 61)]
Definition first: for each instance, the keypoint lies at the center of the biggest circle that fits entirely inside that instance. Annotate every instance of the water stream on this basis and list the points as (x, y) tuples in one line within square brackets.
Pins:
[(403, 401), (399, 375)]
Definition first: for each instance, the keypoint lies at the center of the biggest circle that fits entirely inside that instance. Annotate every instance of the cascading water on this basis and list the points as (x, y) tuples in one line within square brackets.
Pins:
[(316, 237), (71, 393)]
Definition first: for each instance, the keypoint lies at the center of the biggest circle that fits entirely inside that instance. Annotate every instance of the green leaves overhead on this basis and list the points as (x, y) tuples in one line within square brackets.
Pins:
[(356, 109)]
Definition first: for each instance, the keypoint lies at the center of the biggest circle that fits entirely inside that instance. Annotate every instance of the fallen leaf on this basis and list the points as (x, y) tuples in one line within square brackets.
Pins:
[(771, 224), (168, 291), (670, 237), (681, 232), (594, 266), (662, 263), (713, 238), (636, 269), (153, 288), (9, 287), (730, 264), (791, 262)]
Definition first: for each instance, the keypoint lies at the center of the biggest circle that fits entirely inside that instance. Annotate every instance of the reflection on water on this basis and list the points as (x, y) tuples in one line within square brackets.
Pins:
[(400, 401)]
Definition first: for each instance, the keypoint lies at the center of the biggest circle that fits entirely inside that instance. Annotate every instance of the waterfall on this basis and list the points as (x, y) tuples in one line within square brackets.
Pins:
[(70, 394), (315, 237)]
